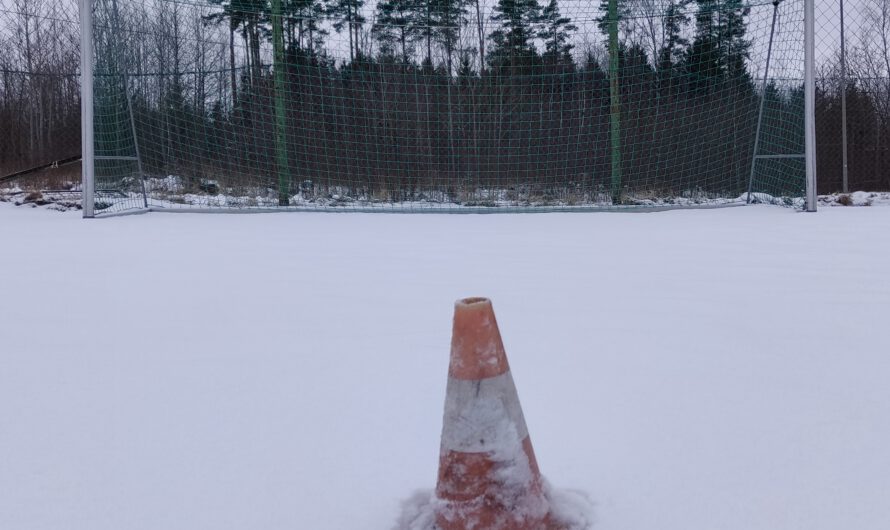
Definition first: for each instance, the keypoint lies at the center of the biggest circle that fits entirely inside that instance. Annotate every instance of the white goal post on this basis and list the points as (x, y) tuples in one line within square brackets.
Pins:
[(86, 108), (810, 96)]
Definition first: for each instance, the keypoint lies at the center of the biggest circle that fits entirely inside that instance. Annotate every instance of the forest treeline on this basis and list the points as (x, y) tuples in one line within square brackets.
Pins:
[(39, 87), (404, 98)]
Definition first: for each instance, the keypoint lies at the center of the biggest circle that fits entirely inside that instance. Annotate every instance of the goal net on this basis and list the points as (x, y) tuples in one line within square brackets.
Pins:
[(444, 105)]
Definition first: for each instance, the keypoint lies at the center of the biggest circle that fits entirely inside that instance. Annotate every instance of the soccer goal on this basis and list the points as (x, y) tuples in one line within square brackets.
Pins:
[(446, 105)]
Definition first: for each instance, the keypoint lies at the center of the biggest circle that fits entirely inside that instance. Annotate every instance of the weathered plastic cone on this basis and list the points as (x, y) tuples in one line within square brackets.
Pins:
[(488, 475)]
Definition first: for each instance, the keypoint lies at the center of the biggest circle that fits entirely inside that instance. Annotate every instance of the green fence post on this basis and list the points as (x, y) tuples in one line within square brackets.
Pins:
[(615, 102), (280, 111)]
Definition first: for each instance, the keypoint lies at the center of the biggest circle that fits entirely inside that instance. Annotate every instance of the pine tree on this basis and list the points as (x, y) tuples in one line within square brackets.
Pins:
[(434, 22), (675, 44), (348, 14), (465, 65), (302, 17), (731, 31), (720, 48), (396, 27), (602, 22), (427, 19), (512, 41), (449, 16), (247, 15), (555, 32)]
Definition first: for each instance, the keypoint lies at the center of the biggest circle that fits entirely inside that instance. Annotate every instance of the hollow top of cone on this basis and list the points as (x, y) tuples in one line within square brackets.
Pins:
[(477, 351)]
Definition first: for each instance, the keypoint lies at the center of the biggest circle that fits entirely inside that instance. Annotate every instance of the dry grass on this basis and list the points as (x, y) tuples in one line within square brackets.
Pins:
[(59, 178), (845, 200), (35, 197)]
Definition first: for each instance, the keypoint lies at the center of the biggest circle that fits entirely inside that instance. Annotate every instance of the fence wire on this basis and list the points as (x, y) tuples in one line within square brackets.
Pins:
[(866, 44), (442, 104), (39, 93)]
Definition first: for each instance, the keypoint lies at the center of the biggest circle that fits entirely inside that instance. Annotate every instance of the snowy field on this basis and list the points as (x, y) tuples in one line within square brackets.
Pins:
[(689, 370)]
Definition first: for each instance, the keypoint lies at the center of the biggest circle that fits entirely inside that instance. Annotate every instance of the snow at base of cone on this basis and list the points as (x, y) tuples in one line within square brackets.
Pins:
[(569, 509)]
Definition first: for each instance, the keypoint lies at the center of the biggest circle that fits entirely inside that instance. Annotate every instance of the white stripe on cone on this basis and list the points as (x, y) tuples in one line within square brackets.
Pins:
[(482, 415)]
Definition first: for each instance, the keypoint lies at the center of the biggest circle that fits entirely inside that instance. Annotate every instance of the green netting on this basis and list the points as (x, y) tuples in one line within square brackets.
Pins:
[(446, 105)]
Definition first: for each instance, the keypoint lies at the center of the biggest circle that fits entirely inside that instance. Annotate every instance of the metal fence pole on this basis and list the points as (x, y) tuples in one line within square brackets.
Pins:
[(810, 100), (614, 102), (846, 186), (86, 108), (281, 159)]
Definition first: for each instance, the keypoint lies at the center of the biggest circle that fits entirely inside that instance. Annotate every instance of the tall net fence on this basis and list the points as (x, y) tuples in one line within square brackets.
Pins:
[(429, 105), (446, 104), (854, 72), (39, 94)]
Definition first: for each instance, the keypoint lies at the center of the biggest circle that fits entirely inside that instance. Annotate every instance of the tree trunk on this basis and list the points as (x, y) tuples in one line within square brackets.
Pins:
[(232, 74), (480, 27)]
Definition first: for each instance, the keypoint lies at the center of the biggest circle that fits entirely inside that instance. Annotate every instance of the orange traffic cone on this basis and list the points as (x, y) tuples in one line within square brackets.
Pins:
[(488, 475)]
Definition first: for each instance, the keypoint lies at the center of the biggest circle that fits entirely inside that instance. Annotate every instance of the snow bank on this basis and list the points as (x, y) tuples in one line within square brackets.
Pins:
[(857, 198)]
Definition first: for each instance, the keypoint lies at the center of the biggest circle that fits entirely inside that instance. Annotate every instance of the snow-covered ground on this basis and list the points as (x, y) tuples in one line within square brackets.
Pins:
[(689, 370), (857, 198), (178, 193)]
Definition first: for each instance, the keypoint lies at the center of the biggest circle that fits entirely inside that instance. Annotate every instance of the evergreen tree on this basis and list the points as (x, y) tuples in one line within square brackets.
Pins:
[(465, 66), (731, 31), (426, 18), (348, 15), (602, 22), (635, 63), (675, 44), (720, 48), (555, 32), (248, 15), (303, 29), (438, 22), (449, 16), (396, 27), (512, 40)]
